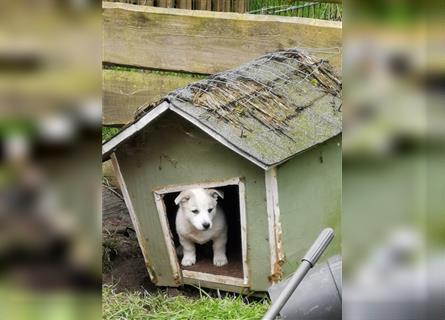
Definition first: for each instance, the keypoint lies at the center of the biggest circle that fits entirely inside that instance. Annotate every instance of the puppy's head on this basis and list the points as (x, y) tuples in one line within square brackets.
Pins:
[(199, 206)]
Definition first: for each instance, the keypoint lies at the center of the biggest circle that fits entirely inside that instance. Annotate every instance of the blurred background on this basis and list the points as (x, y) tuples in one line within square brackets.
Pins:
[(393, 159), (50, 102)]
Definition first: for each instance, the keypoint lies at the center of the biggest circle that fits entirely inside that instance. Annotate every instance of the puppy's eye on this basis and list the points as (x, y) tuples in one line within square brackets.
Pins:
[(210, 210), (195, 211)]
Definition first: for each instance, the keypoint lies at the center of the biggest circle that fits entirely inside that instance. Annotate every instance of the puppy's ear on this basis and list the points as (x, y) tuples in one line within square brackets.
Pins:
[(184, 196), (215, 193)]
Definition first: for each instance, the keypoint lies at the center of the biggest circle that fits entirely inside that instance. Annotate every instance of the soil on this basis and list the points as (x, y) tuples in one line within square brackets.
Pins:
[(123, 266)]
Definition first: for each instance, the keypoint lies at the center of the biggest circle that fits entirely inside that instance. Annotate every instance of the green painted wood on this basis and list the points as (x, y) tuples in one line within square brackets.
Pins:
[(172, 151), (309, 188)]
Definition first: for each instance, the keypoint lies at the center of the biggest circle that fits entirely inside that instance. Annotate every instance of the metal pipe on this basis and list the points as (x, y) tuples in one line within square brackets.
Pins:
[(309, 260)]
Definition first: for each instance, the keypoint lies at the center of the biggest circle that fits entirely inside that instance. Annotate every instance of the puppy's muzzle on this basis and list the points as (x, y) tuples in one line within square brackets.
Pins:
[(206, 225)]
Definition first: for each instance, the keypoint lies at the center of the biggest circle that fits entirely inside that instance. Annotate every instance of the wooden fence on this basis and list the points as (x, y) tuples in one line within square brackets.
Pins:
[(240, 6), (211, 5), (182, 42)]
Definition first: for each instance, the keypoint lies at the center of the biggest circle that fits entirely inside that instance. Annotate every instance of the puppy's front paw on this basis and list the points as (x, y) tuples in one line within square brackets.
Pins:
[(188, 261), (219, 261)]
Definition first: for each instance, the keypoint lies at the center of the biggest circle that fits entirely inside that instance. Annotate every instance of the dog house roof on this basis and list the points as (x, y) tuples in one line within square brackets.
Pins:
[(267, 110)]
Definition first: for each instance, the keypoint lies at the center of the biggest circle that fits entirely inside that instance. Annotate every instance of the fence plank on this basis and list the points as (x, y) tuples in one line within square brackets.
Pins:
[(184, 4), (218, 5), (125, 91), (240, 6), (205, 42), (202, 5), (227, 5)]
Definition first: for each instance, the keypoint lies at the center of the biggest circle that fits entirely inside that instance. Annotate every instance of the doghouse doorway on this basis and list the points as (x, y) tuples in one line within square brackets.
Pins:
[(233, 204)]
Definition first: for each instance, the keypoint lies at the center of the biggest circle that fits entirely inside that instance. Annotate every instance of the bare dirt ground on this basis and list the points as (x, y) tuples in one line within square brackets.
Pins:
[(123, 264)]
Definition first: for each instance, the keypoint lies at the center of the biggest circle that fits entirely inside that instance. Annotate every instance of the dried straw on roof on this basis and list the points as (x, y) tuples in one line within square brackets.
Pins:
[(272, 89)]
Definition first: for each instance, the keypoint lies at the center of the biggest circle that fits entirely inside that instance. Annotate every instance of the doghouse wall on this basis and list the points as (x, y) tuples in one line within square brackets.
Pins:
[(309, 189), (172, 151)]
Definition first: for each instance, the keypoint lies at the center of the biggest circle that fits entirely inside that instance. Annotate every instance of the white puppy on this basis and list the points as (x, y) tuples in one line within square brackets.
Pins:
[(200, 220)]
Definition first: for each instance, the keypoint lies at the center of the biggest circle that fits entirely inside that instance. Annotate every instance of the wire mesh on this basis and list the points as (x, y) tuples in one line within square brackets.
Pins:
[(315, 10)]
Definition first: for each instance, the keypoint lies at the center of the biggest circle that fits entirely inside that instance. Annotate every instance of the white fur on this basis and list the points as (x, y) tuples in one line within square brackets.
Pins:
[(190, 225)]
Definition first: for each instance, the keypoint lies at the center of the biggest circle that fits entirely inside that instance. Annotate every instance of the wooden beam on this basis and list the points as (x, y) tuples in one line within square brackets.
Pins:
[(168, 238), (125, 91), (134, 218), (129, 131), (275, 232), (207, 42)]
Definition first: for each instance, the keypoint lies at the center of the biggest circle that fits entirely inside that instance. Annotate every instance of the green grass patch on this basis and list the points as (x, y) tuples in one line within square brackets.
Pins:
[(159, 306), (304, 9), (108, 133)]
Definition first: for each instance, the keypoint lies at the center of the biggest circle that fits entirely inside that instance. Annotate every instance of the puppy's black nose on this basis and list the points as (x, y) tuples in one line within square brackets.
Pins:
[(206, 225)]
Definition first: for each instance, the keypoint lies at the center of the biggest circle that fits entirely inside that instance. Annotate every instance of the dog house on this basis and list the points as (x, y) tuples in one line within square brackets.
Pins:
[(268, 135)]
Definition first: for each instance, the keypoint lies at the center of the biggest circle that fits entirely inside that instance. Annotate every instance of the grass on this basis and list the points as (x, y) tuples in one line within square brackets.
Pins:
[(108, 132), (159, 306), (292, 8)]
